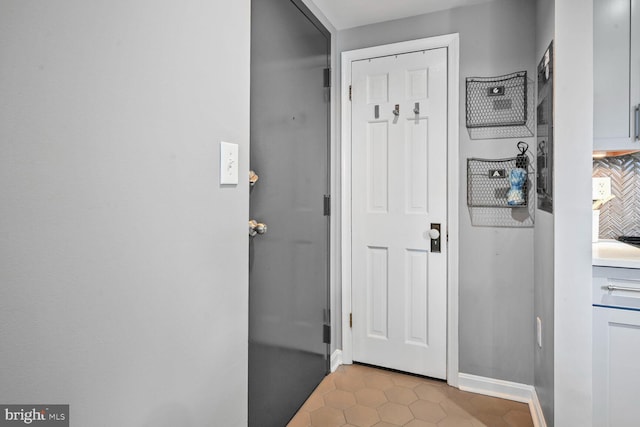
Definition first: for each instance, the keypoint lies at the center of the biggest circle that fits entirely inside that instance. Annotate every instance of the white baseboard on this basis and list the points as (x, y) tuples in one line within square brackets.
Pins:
[(505, 390), (536, 411), (336, 360)]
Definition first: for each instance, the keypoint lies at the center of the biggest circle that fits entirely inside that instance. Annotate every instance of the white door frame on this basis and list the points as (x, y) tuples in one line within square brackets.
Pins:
[(452, 43)]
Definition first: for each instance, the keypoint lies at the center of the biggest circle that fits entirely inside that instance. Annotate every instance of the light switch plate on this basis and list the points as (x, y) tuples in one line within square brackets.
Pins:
[(228, 163), (601, 188)]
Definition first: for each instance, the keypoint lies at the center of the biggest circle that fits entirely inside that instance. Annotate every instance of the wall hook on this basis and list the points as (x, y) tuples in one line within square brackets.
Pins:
[(396, 111)]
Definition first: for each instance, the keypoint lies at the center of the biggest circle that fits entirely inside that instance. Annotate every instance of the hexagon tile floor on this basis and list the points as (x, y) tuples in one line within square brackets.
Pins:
[(362, 396)]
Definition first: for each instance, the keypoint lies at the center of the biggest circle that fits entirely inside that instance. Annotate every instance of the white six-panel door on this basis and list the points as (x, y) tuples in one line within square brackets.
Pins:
[(399, 187)]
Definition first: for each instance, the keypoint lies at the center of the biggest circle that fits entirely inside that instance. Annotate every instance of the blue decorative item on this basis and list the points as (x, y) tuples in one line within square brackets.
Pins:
[(517, 180)]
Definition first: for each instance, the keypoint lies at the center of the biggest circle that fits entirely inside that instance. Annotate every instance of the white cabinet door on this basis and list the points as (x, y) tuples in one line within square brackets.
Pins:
[(616, 67), (616, 367)]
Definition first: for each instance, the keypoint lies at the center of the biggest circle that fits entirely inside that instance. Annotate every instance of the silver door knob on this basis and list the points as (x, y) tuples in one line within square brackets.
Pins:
[(256, 227)]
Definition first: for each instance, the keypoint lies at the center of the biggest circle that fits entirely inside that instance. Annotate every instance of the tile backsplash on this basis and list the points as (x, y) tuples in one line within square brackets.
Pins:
[(620, 216)]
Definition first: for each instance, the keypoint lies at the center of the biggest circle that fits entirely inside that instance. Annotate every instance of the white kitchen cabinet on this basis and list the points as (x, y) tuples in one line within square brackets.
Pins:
[(616, 375), (616, 346), (616, 124)]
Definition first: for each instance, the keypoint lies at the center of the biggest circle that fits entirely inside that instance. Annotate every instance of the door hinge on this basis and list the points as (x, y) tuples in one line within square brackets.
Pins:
[(326, 334), (327, 77), (351, 320), (327, 205), (350, 92)]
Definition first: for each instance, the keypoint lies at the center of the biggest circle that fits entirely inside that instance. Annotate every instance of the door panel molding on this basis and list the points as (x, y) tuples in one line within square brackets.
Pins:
[(451, 43)]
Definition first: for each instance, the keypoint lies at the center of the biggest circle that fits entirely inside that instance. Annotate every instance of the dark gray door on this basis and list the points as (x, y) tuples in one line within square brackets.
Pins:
[(288, 265)]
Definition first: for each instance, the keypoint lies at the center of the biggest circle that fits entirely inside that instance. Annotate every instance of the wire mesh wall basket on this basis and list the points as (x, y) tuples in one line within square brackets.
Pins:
[(499, 191), (500, 107)]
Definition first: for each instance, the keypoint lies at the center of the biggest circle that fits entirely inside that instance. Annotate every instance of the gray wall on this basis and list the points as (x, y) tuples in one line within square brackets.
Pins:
[(544, 252), (123, 263), (496, 265)]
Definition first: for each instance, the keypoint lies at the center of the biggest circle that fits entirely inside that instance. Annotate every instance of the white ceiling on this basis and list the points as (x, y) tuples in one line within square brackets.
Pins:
[(354, 13)]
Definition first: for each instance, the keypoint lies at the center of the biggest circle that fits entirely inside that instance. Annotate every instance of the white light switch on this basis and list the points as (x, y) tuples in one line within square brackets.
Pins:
[(228, 163)]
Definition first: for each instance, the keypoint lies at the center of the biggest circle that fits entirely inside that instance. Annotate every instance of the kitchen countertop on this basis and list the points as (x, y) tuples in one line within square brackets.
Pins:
[(612, 253)]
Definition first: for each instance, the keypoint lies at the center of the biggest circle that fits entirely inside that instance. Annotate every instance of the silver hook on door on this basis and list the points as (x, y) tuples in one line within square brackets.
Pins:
[(396, 111), (416, 108)]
